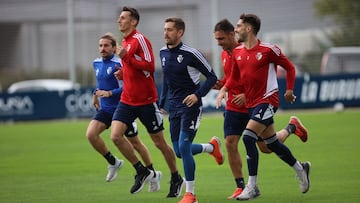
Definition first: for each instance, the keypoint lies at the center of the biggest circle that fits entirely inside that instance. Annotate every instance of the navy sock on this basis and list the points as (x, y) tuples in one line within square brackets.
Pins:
[(139, 167), (290, 128), (175, 177), (240, 183), (110, 158), (251, 152), (281, 150)]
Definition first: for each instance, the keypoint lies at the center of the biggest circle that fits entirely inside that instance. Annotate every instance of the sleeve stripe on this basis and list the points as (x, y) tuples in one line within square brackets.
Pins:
[(274, 48), (198, 55), (144, 46)]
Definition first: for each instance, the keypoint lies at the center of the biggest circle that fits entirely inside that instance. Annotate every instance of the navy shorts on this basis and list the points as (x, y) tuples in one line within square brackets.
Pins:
[(103, 117), (235, 122), (149, 115), (185, 119), (263, 113), (106, 118)]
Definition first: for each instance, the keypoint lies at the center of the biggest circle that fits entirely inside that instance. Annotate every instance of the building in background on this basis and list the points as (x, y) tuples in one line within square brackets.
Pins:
[(40, 41), (34, 34)]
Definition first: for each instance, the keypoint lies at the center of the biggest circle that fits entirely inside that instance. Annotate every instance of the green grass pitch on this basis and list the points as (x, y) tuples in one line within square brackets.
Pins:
[(53, 162)]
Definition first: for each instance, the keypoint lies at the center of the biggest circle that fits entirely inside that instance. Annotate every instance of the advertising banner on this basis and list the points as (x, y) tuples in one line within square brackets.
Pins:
[(46, 105), (319, 91), (312, 91)]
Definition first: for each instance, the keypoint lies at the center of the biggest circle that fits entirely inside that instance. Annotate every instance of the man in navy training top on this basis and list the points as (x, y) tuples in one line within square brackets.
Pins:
[(182, 67)]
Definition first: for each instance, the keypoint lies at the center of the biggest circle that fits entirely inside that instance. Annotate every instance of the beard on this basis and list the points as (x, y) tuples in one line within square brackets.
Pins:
[(170, 43), (240, 40)]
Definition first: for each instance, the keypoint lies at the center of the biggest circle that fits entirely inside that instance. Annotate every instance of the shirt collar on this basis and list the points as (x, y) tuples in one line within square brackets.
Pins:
[(177, 47), (109, 58), (131, 34)]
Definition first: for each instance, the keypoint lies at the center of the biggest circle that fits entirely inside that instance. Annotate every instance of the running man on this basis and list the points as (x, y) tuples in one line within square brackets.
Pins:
[(105, 100), (236, 116), (182, 67), (138, 100), (254, 72)]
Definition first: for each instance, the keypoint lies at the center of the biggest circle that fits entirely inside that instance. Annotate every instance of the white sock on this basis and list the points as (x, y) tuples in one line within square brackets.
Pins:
[(252, 182), (207, 148), (297, 166), (190, 186)]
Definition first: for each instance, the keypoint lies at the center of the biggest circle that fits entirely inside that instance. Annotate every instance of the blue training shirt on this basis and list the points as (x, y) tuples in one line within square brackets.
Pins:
[(105, 80), (182, 67)]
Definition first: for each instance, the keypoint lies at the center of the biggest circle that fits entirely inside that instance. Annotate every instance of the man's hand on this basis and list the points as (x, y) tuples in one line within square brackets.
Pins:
[(121, 51), (190, 100), (289, 96), (218, 85), (118, 74), (163, 111), (221, 96), (96, 102), (103, 93), (239, 99)]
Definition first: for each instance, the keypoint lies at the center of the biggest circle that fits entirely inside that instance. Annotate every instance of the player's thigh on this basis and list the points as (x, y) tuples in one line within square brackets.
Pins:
[(100, 122), (95, 128)]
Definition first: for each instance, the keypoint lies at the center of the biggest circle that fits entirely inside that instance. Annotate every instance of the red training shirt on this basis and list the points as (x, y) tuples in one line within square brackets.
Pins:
[(138, 71), (227, 63), (256, 69)]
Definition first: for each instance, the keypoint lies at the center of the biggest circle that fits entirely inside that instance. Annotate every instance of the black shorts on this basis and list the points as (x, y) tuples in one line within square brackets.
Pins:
[(235, 122), (106, 118), (149, 115)]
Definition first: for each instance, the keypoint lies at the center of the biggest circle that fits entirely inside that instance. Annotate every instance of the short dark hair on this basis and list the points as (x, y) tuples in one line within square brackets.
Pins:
[(179, 23), (133, 13), (253, 20), (224, 25)]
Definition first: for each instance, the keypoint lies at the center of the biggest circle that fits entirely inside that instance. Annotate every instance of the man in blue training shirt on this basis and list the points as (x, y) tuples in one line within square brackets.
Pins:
[(182, 67), (105, 100)]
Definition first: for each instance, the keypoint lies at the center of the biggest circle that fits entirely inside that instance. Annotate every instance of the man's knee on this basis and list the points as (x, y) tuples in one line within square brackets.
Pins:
[(231, 143)]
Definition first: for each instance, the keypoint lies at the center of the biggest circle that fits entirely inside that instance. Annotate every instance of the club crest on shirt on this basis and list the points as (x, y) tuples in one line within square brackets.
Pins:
[(238, 58), (180, 58), (128, 47), (258, 56), (109, 70), (224, 62)]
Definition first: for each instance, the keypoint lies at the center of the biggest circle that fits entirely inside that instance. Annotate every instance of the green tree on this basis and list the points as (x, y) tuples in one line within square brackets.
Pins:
[(346, 15)]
